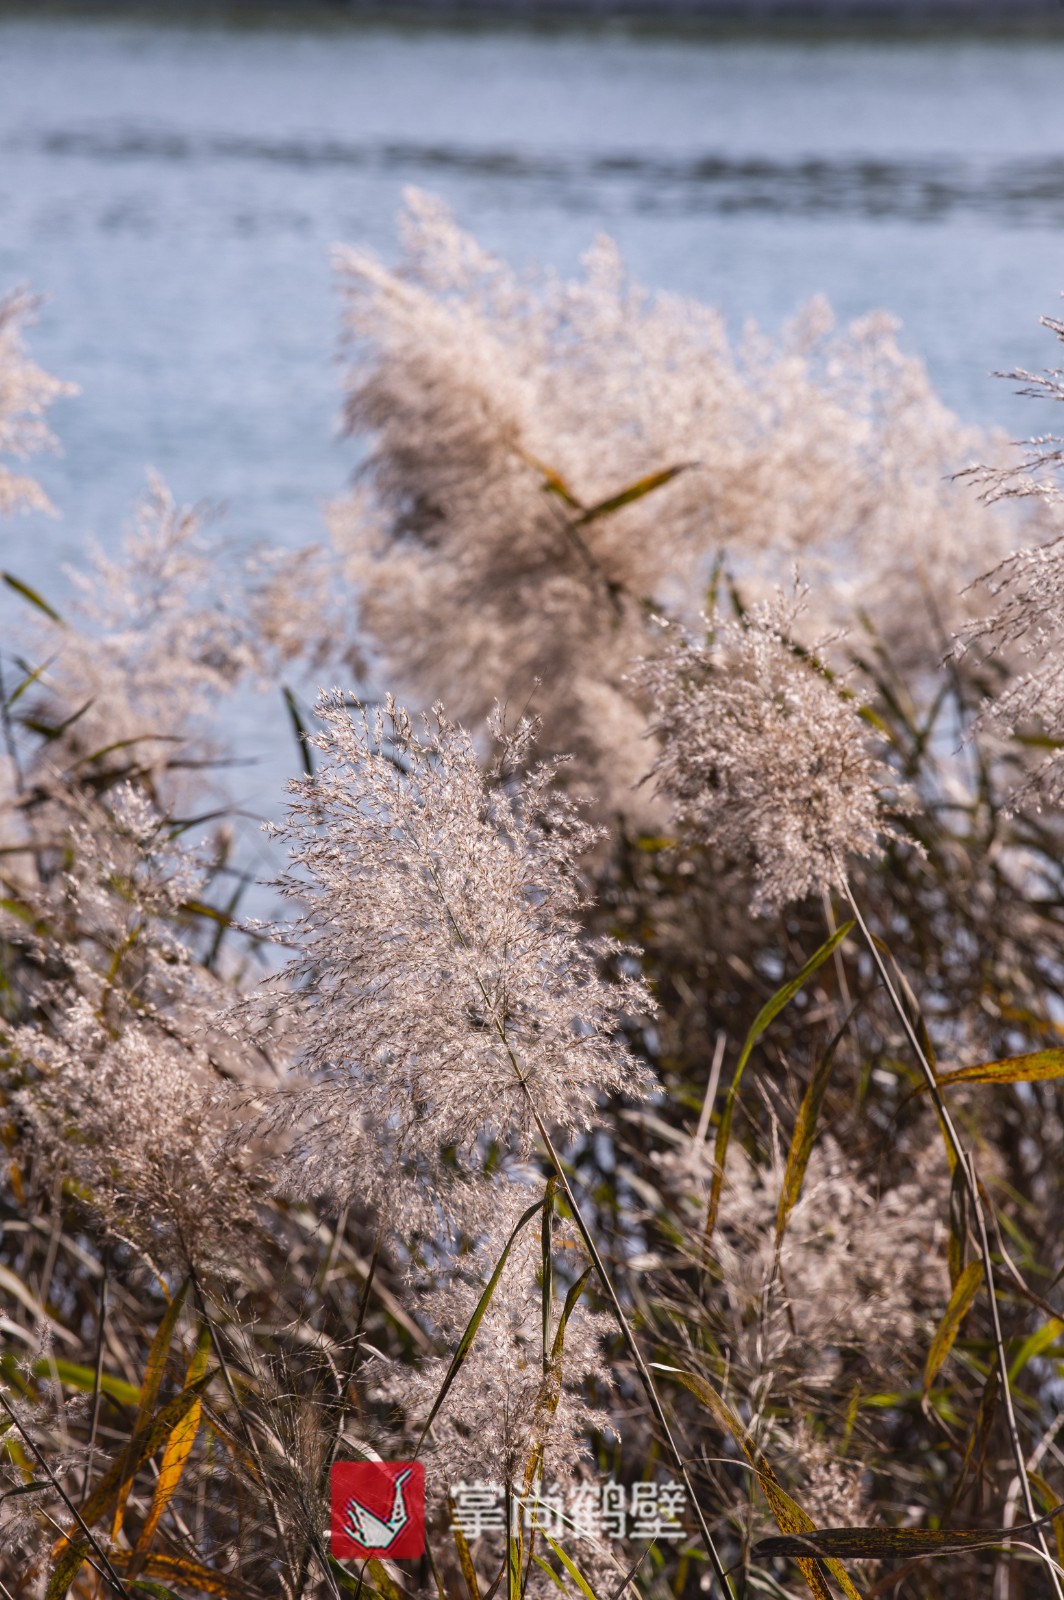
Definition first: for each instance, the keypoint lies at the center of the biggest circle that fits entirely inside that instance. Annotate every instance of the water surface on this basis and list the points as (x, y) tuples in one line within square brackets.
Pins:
[(176, 192)]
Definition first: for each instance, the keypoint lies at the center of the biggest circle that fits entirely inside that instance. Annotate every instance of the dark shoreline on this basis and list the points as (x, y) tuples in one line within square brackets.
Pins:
[(755, 19)]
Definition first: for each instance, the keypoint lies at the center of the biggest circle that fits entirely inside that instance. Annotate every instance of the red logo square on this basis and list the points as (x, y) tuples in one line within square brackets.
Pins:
[(378, 1509)]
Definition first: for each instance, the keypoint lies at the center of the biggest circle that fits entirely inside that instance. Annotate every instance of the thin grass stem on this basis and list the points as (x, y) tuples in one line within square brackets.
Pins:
[(966, 1162)]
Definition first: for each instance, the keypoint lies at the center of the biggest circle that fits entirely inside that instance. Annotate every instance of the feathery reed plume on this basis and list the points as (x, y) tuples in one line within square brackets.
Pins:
[(511, 1417), (1024, 628), (26, 392), (548, 461), (764, 756), (441, 979), (157, 635)]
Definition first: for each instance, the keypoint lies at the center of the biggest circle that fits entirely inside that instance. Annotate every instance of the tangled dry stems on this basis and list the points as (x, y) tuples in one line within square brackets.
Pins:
[(251, 1206)]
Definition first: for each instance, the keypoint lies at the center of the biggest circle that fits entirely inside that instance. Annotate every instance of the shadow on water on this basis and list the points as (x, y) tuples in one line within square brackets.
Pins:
[(1014, 190)]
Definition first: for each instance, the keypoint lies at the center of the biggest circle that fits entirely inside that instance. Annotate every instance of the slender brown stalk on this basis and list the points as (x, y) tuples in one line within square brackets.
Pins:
[(645, 1377), (101, 1555), (966, 1161)]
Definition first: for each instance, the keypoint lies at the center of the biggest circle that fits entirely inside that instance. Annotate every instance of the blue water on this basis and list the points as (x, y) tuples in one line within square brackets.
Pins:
[(176, 191)]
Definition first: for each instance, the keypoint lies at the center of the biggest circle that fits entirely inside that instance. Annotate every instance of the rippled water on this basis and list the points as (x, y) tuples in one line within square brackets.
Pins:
[(176, 192)]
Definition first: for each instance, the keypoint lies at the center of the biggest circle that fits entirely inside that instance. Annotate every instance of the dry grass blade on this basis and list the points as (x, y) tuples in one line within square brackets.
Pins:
[(154, 1372), (551, 1393), (200, 1579), (771, 1009), (547, 1266), (801, 1146), (466, 1342), (177, 1451), (877, 1544), (465, 1558), (553, 482), (1041, 1066), (958, 1224), (790, 1518), (118, 1479), (960, 1302)]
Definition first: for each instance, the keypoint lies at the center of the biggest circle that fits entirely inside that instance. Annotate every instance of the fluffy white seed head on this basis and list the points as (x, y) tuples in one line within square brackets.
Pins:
[(507, 1420), (26, 392), (504, 414), (443, 989), (764, 756)]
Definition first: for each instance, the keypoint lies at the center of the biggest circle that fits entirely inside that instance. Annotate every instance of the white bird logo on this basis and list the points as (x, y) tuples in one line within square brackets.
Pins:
[(368, 1530)]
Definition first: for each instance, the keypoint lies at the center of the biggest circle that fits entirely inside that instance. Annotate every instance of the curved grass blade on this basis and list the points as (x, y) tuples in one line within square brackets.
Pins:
[(466, 1342), (801, 1147), (571, 1568), (31, 595), (197, 1578), (299, 727), (549, 1570), (790, 1518), (84, 1379), (769, 1011), (1042, 1066), (960, 1301)]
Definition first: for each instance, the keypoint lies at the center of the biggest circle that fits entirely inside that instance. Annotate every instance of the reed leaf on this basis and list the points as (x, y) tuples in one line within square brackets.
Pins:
[(465, 1343), (178, 1448), (790, 1518), (1035, 1344), (769, 1011), (30, 595), (634, 491), (154, 1371), (960, 1301), (571, 1568), (1042, 1066), (801, 1146), (877, 1544)]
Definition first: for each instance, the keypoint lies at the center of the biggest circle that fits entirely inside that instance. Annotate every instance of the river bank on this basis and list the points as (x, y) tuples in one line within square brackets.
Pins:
[(885, 18)]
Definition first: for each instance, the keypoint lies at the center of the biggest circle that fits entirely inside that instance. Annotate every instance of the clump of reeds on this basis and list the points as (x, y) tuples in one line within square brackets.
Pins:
[(682, 1120)]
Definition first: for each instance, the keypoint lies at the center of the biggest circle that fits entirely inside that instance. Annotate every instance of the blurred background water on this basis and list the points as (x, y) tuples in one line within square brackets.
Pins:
[(175, 191)]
